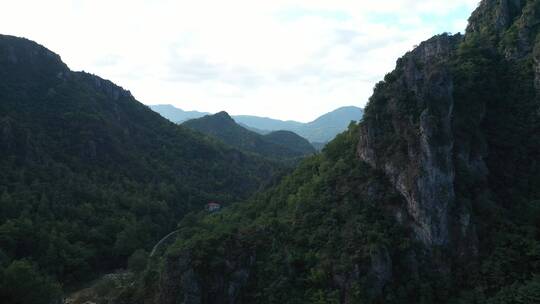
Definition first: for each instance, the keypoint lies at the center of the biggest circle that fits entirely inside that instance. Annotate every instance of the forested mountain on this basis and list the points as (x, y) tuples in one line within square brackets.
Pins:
[(434, 197), (319, 131), (176, 115), (275, 145), (326, 127), (266, 124), (88, 174), (290, 140)]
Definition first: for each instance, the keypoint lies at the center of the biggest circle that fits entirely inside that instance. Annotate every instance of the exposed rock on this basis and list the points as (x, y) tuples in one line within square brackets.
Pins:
[(6, 139), (180, 282), (106, 290), (422, 171), (494, 15), (536, 60), (20, 51), (381, 269), (106, 87)]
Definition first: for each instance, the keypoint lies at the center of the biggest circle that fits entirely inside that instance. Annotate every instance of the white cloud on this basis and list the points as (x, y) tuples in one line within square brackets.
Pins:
[(290, 59)]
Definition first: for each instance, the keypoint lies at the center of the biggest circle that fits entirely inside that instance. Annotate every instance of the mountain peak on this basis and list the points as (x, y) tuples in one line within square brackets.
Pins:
[(223, 115), (94, 147), (278, 145), (495, 15), (17, 50), (321, 130), (20, 56), (219, 119)]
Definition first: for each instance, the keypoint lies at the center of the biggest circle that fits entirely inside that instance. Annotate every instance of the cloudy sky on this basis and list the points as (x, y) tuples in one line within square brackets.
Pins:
[(287, 59)]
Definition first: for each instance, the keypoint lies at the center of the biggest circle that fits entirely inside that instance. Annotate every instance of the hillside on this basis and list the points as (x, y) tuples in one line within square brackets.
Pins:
[(88, 175), (267, 124), (434, 197), (276, 145), (319, 131), (290, 140), (176, 115), (326, 127)]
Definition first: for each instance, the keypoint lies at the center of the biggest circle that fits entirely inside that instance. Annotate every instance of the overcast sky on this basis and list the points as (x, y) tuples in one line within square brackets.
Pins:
[(287, 59)]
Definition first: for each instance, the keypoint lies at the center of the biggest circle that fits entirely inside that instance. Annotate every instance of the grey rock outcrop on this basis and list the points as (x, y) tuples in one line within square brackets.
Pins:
[(181, 282), (494, 15), (421, 169), (380, 270)]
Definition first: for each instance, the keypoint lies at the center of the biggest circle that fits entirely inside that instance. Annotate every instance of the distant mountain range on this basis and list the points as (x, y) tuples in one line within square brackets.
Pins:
[(175, 114), (318, 132), (275, 145)]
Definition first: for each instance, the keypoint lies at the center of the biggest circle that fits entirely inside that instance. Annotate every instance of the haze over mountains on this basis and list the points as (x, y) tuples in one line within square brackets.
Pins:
[(319, 131), (176, 115), (88, 175), (279, 145), (432, 198)]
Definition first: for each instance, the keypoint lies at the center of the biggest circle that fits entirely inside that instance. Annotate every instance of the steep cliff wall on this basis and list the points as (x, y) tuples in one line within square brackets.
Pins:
[(436, 125), (407, 133), (432, 198)]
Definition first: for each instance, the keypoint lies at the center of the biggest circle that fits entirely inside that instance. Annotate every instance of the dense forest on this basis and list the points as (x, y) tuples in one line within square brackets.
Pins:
[(88, 175), (433, 198), (321, 130)]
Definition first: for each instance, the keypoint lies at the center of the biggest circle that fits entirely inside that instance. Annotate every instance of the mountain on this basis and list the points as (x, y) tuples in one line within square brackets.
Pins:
[(267, 124), (275, 145), (319, 131), (176, 115), (290, 140), (326, 127), (88, 175), (434, 197)]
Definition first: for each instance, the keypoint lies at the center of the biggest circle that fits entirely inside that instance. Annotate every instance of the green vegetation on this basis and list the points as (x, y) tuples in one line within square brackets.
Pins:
[(89, 179), (279, 145), (88, 175), (21, 282), (317, 224), (325, 233), (290, 140)]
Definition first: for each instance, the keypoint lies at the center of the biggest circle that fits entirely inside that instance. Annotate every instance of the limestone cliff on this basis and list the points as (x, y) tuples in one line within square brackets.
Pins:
[(448, 150), (430, 124), (181, 282), (416, 123)]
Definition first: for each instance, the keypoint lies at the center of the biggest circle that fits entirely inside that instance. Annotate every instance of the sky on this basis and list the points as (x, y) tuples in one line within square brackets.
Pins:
[(286, 59)]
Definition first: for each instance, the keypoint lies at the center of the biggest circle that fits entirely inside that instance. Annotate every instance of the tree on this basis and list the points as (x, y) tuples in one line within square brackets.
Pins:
[(23, 284), (137, 261)]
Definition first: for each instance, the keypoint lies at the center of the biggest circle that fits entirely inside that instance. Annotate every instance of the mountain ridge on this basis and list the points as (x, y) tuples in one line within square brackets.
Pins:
[(88, 174), (275, 145), (434, 197), (320, 130)]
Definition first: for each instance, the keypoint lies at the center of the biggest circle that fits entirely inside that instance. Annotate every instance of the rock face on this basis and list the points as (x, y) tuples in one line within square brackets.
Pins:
[(182, 283), (179, 282), (429, 124), (494, 15), (443, 128), (421, 167)]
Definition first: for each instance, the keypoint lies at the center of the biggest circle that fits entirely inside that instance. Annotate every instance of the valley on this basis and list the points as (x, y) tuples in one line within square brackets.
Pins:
[(318, 132), (428, 194)]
